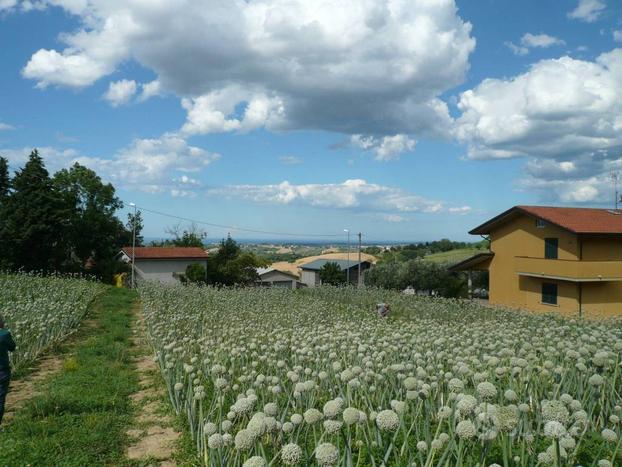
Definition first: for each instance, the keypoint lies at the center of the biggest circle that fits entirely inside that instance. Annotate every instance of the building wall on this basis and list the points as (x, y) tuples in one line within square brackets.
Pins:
[(310, 278), (278, 279), (161, 270), (521, 237)]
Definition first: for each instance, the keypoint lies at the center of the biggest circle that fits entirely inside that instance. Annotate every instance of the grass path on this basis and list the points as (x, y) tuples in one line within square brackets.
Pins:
[(80, 415)]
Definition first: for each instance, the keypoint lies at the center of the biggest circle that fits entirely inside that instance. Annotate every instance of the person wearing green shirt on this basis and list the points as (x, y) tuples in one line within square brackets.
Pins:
[(6, 345)]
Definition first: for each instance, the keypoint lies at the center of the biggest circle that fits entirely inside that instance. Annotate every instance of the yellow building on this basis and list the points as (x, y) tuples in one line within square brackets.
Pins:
[(553, 259)]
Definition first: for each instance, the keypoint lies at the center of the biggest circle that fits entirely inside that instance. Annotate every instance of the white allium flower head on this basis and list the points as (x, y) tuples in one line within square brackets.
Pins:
[(596, 380), (387, 420), (255, 461), (609, 435), (332, 426), (313, 416), (333, 408), (210, 428), (486, 390), (270, 409), (244, 440), (215, 441), (465, 429), (351, 416), (326, 454), (554, 429), (291, 454)]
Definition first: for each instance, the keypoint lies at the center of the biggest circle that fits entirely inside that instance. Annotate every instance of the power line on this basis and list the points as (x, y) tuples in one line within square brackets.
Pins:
[(231, 227)]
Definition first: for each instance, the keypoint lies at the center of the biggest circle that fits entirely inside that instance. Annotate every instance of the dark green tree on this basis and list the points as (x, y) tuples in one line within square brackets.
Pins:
[(331, 274), (36, 222), (135, 221), (5, 180), (231, 266), (195, 273), (95, 233)]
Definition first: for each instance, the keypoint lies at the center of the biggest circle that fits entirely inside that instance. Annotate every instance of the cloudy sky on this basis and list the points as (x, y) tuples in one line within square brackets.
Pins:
[(403, 119)]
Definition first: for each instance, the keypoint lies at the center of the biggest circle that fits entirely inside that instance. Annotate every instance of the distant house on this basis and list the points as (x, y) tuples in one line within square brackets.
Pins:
[(310, 272), (162, 264), (567, 260), (270, 277)]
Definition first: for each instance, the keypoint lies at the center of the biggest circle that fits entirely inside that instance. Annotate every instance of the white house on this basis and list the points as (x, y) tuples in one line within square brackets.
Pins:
[(270, 277), (162, 264)]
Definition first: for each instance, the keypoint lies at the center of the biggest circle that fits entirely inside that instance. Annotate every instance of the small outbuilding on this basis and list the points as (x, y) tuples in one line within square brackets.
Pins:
[(162, 264), (270, 277), (310, 272)]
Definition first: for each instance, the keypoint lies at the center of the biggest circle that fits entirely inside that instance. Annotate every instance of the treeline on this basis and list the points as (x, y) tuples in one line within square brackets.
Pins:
[(424, 277), (420, 250), (62, 223)]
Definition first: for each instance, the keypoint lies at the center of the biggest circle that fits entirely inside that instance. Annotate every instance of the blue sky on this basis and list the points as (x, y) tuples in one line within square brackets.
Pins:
[(406, 120)]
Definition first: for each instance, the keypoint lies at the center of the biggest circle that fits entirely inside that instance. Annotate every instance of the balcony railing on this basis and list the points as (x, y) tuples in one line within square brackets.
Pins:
[(571, 270)]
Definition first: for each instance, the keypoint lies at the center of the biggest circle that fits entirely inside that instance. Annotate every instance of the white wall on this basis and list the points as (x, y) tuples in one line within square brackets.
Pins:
[(161, 270), (311, 278)]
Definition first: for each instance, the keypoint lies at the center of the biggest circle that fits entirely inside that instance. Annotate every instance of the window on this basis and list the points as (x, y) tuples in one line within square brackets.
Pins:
[(550, 248), (549, 294), (540, 224)]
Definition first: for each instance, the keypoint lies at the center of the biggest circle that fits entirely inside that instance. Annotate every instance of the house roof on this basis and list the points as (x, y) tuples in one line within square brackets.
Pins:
[(319, 263), (472, 262), (575, 220), (262, 271), (148, 252)]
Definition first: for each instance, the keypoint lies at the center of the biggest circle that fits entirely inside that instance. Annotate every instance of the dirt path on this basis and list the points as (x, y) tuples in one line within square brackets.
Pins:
[(154, 438)]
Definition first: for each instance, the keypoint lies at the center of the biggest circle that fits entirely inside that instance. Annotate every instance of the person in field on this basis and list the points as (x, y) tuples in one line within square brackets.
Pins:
[(382, 310), (6, 345)]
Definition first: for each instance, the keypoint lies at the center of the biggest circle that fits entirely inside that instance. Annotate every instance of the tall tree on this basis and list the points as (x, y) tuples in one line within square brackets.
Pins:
[(332, 274), (95, 233), (5, 180), (36, 224), (135, 222)]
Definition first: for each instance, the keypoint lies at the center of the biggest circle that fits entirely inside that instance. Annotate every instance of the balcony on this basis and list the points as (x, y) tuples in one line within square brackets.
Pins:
[(568, 270)]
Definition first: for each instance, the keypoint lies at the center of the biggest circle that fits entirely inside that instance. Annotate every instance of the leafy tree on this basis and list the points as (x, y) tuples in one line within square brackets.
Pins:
[(95, 233), (332, 274), (135, 221), (231, 266), (195, 272), (35, 221), (5, 180), (193, 236)]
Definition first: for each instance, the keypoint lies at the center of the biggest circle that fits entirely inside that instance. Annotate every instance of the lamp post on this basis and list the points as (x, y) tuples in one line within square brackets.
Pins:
[(133, 243), (348, 268)]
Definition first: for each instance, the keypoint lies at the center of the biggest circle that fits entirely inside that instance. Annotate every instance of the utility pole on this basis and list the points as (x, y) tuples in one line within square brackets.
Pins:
[(348, 268), (360, 282), (133, 244), (615, 178)]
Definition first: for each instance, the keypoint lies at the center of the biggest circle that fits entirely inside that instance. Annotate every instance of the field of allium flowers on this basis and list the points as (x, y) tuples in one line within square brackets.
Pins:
[(41, 311), (313, 377)]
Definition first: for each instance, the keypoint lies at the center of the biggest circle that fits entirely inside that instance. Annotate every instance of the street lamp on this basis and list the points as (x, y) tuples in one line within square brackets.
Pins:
[(133, 243), (348, 267)]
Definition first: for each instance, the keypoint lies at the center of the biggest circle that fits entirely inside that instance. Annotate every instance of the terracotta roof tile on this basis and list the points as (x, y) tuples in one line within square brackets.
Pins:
[(576, 220), (148, 252)]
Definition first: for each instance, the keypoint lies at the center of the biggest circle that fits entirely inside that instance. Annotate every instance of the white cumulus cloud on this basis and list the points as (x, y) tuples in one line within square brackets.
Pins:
[(351, 194), (352, 66), (385, 148), (588, 10), (564, 116), (120, 92)]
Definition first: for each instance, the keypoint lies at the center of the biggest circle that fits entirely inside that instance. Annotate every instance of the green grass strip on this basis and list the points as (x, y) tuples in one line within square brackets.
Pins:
[(83, 413)]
